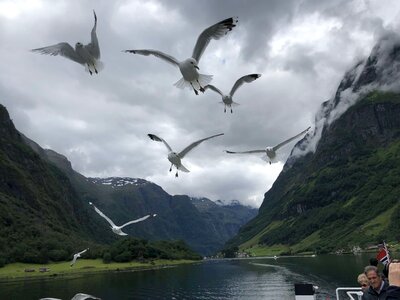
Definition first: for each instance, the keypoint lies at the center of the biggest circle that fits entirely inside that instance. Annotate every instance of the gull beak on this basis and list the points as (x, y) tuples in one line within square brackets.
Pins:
[(197, 67)]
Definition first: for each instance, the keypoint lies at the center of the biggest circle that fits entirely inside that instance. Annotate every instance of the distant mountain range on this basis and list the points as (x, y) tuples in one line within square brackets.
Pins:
[(44, 205), (346, 191)]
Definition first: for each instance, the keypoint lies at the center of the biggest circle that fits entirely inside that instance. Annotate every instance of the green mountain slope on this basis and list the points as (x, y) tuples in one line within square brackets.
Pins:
[(344, 194), (39, 208)]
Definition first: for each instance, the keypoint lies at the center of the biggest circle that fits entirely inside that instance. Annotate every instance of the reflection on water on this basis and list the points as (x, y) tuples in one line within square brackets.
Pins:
[(223, 279)]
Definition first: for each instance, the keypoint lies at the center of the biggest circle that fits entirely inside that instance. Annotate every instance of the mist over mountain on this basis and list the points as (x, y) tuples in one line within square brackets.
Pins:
[(339, 187)]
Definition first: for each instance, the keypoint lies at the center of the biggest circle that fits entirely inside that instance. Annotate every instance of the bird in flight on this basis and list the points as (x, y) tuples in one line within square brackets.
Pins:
[(270, 151), (188, 67), (176, 158), (86, 55), (227, 99), (77, 255), (118, 229)]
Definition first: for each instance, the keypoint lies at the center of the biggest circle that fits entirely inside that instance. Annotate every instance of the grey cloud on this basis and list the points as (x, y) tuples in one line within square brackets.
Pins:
[(100, 122)]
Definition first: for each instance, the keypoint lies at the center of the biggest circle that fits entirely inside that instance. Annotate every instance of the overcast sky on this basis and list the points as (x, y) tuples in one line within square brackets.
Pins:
[(100, 123)]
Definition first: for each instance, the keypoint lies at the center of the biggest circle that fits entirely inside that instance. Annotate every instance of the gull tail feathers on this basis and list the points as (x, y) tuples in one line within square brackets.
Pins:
[(183, 169), (98, 65), (182, 83), (203, 80)]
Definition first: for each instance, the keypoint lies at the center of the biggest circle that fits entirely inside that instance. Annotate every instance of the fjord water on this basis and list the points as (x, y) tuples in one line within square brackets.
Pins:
[(264, 278)]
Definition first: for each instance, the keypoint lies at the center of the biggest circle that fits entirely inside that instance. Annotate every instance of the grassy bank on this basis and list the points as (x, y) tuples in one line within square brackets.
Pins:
[(260, 250), (16, 271)]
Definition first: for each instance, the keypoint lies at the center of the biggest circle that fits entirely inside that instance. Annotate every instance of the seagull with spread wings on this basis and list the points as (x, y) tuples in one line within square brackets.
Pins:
[(77, 255), (86, 55), (189, 67), (118, 229), (270, 151), (176, 158), (78, 296), (227, 99)]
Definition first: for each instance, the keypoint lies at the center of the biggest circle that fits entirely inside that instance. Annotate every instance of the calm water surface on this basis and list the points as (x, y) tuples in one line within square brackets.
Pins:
[(219, 279)]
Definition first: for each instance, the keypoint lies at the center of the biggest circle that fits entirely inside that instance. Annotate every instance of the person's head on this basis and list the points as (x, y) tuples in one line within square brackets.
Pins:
[(373, 261), (373, 276), (363, 281)]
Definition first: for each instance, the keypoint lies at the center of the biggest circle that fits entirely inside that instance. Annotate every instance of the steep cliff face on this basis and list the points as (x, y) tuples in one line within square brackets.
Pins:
[(41, 215), (344, 194), (345, 190)]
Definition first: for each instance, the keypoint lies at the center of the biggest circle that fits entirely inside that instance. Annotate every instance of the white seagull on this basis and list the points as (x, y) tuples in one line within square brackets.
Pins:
[(227, 99), (78, 296), (118, 229), (191, 78), (175, 158), (77, 255), (270, 151), (86, 55)]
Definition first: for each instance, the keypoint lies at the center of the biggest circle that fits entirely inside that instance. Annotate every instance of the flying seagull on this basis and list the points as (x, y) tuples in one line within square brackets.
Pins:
[(175, 158), (86, 55), (118, 229), (78, 296), (191, 78), (227, 99), (77, 255), (270, 151)]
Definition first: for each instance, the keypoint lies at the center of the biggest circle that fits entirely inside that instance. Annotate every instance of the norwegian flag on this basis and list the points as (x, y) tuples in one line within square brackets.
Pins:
[(383, 254)]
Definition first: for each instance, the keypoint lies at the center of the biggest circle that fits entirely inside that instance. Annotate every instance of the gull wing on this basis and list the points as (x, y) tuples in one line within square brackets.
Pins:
[(136, 221), (245, 152), (213, 88), (158, 139), (103, 215), (241, 80), (146, 52), (63, 49), (215, 32), (289, 140), (81, 296), (192, 145), (79, 253), (93, 46)]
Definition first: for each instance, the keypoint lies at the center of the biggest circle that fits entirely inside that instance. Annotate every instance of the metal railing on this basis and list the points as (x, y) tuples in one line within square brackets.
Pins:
[(351, 292)]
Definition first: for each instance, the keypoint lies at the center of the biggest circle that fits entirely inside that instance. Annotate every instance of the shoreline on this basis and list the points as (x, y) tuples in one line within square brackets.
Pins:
[(16, 272)]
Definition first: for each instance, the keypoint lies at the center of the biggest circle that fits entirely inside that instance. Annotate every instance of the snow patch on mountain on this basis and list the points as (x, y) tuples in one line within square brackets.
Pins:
[(118, 181)]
